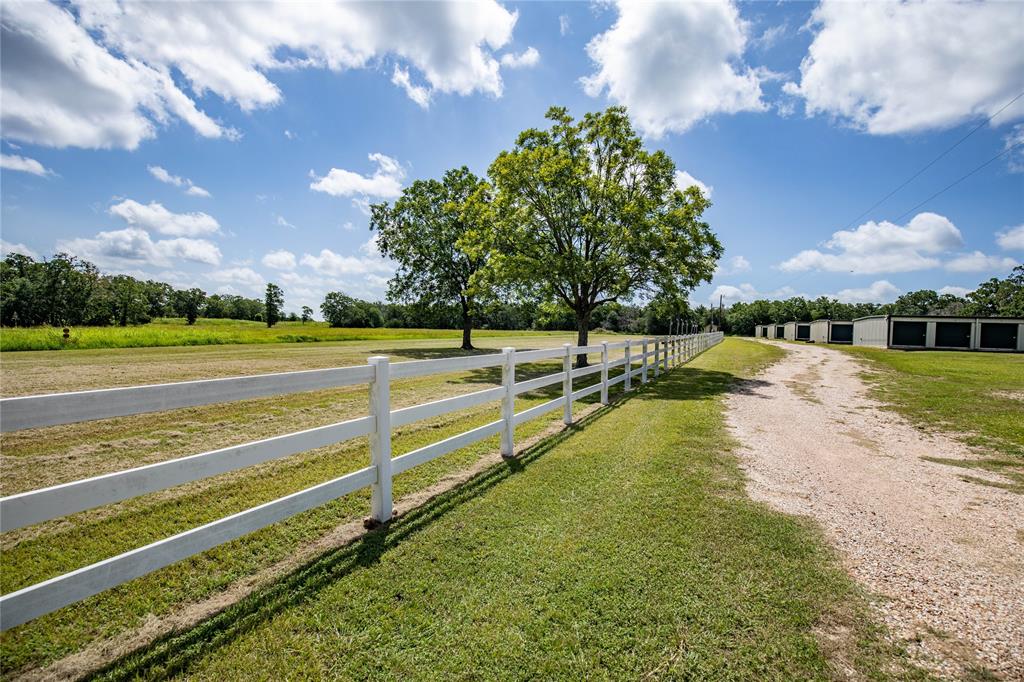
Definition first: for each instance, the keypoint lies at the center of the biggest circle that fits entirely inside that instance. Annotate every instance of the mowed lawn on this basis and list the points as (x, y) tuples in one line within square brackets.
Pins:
[(622, 548), (979, 397)]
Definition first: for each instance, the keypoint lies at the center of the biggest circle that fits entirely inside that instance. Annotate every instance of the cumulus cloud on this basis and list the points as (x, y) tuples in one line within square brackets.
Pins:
[(898, 67), (881, 291), (882, 247), (417, 93), (563, 24), (385, 183), (246, 278), (153, 216), (977, 261), (674, 64), (163, 175), (336, 265), (132, 247), (1011, 239), (746, 292), (685, 180), (955, 291), (527, 58), (23, 164), (7, 247), (280, 260), (733, 266), (109, 74)]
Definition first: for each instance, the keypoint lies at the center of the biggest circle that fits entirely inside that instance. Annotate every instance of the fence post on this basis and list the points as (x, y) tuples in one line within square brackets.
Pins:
[(380, 439), (657, 357), (629, 367), (664, 354), (643, 372), (567, 384), (508, 402), (604, 372)]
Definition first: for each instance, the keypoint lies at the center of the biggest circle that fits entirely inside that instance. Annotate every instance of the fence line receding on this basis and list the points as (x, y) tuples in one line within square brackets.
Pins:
[(642, 358)]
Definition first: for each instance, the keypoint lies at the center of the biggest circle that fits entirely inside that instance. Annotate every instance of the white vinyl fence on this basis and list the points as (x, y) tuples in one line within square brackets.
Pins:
[(642, 359)]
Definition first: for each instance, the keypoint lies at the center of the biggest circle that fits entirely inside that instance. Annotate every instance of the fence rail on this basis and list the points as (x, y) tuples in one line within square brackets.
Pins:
[(654, 355)]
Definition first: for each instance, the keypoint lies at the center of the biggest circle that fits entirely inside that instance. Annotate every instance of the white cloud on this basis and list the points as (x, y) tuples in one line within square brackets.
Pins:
[(955, 291), (24, 164), (335, 265), (527, 58), (977, 261), (290, 135), (1012, 239), (747, 292), (153, 216), (685, 180), (770, 37), (107, 74), (883, 247), (281, 221), (133, 247), (280, 260), (61, 88), (385, 183), (733, 266), (7, 247), (898, 67), (674, 64), (247, 278), (563, 24), (1013, 142), (417, 93), (881, 291), (163, 175)]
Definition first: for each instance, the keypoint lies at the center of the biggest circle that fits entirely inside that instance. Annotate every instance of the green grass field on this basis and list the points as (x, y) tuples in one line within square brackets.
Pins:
[(979, 397), (175, 332), (623, 547)]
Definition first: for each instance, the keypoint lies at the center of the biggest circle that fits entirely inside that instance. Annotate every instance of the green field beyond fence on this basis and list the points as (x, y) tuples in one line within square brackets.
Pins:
[(206, 332)]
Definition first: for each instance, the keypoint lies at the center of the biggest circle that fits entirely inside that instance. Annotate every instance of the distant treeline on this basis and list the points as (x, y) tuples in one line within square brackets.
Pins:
[(67, 291), (993, 298)]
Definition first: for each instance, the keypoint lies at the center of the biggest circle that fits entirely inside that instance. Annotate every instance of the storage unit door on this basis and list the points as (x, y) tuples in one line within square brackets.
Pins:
[(953, 334), (803, 332), (841, 333), (1001, 335), (780, 332), (909, 333)]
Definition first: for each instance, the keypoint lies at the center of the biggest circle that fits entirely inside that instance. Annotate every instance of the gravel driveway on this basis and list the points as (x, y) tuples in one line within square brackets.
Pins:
[(943, 556)]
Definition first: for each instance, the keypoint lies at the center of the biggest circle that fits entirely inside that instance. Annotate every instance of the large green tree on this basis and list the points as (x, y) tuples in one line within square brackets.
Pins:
[(273, 303), (423, 232), (586, 215)]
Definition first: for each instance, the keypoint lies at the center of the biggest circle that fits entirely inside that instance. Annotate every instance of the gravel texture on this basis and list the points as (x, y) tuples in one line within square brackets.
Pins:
[(943, 557)]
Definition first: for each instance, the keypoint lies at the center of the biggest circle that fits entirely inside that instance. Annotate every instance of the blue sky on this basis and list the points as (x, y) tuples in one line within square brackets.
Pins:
[(246, 152)]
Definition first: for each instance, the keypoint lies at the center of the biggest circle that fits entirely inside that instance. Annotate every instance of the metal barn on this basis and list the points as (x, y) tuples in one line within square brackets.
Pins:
[(831, 331), (940, 332)]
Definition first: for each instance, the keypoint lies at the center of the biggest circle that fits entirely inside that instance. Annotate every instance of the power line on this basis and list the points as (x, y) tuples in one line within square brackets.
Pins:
[(959, 180), (933, 161)]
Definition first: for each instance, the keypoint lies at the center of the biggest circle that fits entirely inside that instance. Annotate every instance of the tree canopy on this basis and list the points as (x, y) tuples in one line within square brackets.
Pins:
[(585, 215), (423, 233)]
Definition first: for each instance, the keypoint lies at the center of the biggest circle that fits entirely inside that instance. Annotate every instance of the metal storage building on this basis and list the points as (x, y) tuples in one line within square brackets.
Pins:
[(789, 331), (777, 331), (803, 331), (831, 331), (940, 332)]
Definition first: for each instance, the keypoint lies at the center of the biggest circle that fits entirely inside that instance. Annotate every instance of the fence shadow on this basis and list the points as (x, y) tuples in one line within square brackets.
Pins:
[(174, 653)]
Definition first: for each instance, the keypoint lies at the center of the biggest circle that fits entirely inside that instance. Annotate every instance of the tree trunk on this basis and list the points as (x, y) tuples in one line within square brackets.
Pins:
[(582, 334), (467, 327)]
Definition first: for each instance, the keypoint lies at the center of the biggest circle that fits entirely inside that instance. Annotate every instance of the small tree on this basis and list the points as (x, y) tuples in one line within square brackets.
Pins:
[(307, 314), (273, 303), (587, 216), (187, 303), (423, 233)]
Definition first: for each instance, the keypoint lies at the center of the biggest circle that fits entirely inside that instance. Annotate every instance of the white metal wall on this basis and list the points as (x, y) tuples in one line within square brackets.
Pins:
[(871, 331), (819, 331)]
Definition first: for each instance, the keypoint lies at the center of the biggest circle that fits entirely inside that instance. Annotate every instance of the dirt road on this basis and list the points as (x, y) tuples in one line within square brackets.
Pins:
[(944, 556)]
